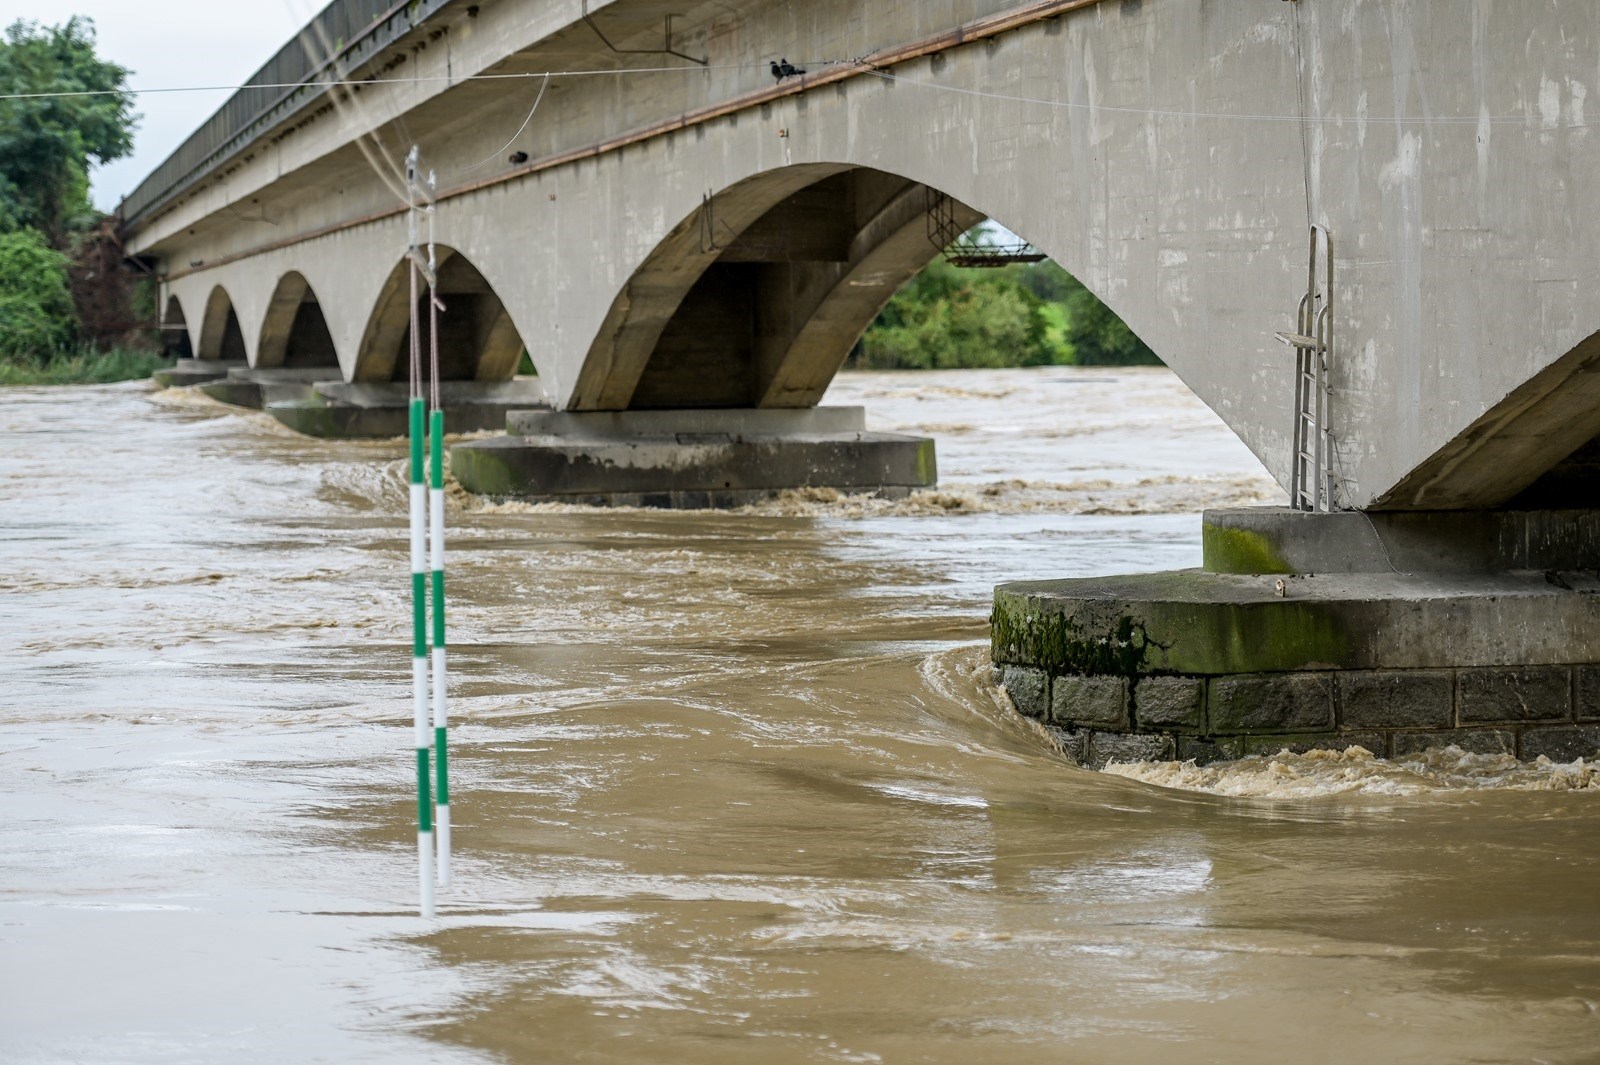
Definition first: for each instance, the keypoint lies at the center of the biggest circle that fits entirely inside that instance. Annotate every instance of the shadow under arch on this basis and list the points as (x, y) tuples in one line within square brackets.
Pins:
[(220, 335), (175, 342), (294, 332), (477, 339), (757, 298)]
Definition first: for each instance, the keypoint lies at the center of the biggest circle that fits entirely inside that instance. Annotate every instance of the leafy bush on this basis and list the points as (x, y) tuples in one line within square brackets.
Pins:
[(83, 367), (36, 318)]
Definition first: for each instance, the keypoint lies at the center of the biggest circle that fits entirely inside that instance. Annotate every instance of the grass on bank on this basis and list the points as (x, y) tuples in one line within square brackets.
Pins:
[(83, 368)]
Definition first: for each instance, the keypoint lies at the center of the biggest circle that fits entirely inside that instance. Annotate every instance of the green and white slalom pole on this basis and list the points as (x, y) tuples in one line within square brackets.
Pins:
[(419, 593), (441, 720), (419, 664)]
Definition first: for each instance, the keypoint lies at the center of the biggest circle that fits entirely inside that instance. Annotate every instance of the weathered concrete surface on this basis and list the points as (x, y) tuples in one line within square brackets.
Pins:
[(1203, 623), (703, 459), (256, 387), (193, 372), (1280, 540), (733, 423), (1149, 147), (339, 409)]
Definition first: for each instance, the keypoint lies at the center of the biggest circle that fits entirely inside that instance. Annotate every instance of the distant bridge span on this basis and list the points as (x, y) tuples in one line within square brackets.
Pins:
[(705, 237)]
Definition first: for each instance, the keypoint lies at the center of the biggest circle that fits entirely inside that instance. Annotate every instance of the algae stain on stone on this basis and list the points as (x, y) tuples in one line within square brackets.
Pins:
[(1058, 644), (1239, 551)]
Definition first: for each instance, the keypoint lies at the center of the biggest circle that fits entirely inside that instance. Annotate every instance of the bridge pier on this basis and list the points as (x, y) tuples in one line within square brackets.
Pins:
[(255, 387), (1395, 631), (380, 409), (195, 372), (690, 458)]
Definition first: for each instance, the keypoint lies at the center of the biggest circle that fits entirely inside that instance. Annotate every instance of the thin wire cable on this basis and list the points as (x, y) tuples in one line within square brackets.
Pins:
[(1300, 85), (411, 260), (381, 82), (866, 68), (416, 340), (543, 85), (1156, 112), (434, 306)]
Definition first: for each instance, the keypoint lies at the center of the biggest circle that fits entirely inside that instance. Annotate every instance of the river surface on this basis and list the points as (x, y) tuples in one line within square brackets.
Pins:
[(729, 787)]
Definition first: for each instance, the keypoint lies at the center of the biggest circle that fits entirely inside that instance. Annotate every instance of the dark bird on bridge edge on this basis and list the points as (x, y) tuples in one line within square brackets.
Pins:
[(785, 69)]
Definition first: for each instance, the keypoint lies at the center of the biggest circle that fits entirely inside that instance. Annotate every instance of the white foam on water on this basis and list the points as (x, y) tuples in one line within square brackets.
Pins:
[(1356, 770)]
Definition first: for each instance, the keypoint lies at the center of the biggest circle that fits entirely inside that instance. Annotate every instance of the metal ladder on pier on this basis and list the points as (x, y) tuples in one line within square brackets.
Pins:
[(1311, 481)]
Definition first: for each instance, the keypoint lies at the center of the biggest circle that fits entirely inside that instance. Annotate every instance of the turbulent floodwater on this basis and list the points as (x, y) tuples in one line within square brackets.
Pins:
[(728, 787)]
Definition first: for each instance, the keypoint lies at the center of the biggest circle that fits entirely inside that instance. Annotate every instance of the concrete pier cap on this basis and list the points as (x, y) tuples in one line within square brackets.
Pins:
[(381, 409), (1391, 631), (690, 458)]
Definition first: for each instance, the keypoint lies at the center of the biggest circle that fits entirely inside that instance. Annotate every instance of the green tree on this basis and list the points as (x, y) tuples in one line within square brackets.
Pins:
[(35, 302), (948, 318), (48, 142), (1099, 338)]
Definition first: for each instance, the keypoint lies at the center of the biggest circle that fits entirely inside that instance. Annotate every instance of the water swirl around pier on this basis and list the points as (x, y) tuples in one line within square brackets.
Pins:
[(731, 787)]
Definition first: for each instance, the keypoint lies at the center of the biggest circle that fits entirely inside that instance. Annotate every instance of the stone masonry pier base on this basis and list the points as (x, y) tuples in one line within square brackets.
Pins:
[(1461, 648)]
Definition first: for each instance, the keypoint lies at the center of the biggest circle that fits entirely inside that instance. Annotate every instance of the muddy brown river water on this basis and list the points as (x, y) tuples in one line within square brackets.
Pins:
[(729, 787)]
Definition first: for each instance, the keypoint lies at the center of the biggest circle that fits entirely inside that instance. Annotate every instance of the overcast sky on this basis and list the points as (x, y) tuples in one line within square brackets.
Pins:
[(172, 43)]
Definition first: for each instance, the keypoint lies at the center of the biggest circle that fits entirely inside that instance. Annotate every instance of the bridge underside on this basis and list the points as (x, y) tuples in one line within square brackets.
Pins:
[(707, 239), (688, 253)]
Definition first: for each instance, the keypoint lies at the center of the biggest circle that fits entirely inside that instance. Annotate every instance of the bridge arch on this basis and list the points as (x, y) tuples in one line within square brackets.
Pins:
[(477, 339), (175, 342), (294, 332), (220, 335), (759, 295)]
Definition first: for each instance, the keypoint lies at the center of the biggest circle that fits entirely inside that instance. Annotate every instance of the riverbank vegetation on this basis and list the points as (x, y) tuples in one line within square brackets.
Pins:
[(70, 310), (1022, 314)]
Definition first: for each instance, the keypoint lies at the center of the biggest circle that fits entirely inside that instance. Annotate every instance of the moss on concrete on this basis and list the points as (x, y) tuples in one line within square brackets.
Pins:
[(1057, 644), (481, 470), (927, 465), (1166, 623), (1229, 550), (1255, 638)]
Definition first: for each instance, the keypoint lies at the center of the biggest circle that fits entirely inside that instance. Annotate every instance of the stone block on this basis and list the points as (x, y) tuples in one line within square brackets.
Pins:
[(1376, 742), (1074, 743), (1095, 701), (1170, 703), (1271, 702), (1107, 747), (1589, 693), (1409, 698), (1473, 740), (1029, 689), (1205, 750), (1561, 743), (1532, 693)]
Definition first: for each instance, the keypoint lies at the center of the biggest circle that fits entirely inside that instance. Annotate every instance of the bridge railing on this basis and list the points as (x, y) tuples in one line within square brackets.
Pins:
[(338, 39)]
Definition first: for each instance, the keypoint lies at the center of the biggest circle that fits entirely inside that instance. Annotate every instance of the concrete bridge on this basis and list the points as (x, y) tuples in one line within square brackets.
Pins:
[(676, 231)]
